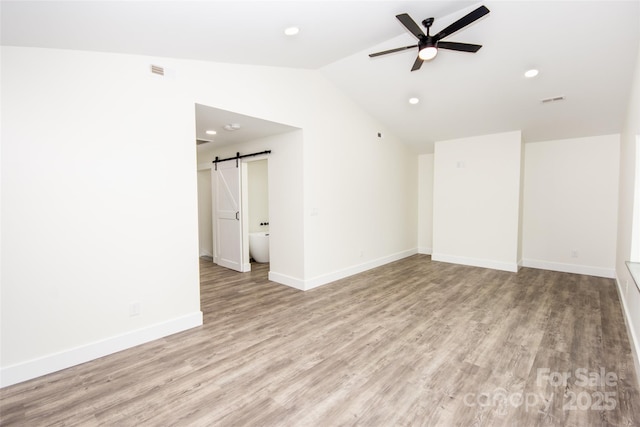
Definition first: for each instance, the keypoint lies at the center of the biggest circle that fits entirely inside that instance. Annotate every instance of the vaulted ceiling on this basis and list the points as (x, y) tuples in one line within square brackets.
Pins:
[(585, 52)]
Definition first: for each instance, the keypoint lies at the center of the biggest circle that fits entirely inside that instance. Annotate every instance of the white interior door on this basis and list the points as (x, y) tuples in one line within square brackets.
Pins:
[(228, 217)]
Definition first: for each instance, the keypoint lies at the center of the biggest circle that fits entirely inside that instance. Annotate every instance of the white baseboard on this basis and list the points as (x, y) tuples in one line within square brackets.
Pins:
[(609, 273), (631, 332), (205, 253), (307, 284), (34, 368), (283, 279), (359, 268), (425, 251), (476, 262)]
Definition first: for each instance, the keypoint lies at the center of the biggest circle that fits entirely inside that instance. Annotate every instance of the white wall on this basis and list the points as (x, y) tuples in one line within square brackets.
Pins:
[(570, 205), (425, 204), (629, 292), (205, 224), (635, 230), (99, 215), (360, 189), (476, 200), (258, 195), (99, 195)]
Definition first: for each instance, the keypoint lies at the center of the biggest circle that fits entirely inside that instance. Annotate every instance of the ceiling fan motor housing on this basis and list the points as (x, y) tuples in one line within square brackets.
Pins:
[(427, 23), (428, 45)]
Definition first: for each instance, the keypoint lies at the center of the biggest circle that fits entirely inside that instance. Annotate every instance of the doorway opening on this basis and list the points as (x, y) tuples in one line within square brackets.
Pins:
[(234, 202), (255, 190)]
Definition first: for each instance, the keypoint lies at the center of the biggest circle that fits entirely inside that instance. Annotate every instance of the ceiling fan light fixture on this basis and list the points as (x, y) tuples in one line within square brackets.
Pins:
[(428, 53), (428, 44)]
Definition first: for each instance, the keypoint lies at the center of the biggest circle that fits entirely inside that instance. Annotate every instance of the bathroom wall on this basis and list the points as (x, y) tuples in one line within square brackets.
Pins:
[(258, 189)]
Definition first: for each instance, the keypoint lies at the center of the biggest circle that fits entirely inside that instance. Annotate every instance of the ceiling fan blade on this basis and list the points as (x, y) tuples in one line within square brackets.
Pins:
[(462, 47), (410, 25), (417, 64), (373, 55), (462, 22)]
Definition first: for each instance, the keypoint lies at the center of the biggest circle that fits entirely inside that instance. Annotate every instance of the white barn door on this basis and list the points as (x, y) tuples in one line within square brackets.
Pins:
[(227, 217)]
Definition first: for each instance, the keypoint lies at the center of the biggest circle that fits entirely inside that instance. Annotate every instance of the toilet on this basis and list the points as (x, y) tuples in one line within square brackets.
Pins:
[(259, 246)]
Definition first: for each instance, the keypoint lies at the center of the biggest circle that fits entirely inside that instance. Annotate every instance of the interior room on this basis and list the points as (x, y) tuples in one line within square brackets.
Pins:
[(450, 192)]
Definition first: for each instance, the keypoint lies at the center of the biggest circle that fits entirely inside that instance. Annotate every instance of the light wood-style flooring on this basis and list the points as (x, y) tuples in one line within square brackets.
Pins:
[(412, 343)]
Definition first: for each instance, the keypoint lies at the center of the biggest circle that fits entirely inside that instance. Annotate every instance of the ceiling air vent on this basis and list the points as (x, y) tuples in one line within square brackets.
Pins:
[(553, 99), (156, 69)]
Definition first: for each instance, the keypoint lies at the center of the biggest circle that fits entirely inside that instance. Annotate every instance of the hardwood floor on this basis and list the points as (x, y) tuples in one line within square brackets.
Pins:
[(414, 342)]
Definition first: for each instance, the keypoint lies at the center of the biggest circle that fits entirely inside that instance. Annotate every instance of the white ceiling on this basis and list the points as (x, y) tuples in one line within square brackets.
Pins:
[(215, 119), (585, 50)]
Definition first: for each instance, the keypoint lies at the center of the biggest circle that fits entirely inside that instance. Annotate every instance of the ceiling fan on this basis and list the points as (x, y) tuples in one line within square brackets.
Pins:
[(428, 45)]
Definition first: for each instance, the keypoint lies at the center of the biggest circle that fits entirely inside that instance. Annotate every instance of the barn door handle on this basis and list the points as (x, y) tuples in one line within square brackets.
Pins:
[(237, 217)]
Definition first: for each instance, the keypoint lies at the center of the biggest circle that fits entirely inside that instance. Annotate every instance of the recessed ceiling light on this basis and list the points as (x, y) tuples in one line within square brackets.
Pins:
[(531, 73), (211, 132), (292, 31), (413, 101)]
